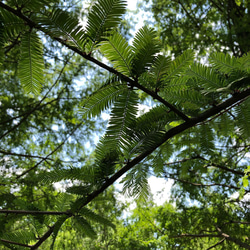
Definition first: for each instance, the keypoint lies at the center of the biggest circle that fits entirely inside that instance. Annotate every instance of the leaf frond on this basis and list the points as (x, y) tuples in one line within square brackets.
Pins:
[(145, 45), (95, 217), (83, 226), (223, 62), (13, 25), (135, 183), (121, 121), (160, 68), (104, 16), (243, 118), (179, 65), (244, 62), (149, 129), (20, 236), (118, 52), (61, 24), (64, 174), (31, 64), (206, 77), (102, 99)]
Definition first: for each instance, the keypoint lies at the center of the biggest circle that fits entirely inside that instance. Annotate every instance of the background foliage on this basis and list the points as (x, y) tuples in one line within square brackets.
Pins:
[(56, 186)]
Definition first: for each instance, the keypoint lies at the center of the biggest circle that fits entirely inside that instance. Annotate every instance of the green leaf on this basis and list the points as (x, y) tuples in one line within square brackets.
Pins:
[(244, 62), (206, 78), (31, 64), (33, 5), (238, 2), (179, 66), (102, 99), (118, 52), (63, 174), (121, 121), (95, 217), (103, 17), (13, 25), (135, 183), (243, 118), (160, 68), (149, 129), (223, 62), (20, 236), (245, 181), (61, 24), (145, 46), (83, 226)]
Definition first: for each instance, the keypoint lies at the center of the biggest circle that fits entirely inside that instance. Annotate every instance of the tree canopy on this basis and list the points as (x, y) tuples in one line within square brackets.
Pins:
[(204, 25), (61, 68)]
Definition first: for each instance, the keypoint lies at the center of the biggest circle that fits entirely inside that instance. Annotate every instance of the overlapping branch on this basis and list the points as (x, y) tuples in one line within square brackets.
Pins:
[(189, 123), (169, 134), (88, 57)]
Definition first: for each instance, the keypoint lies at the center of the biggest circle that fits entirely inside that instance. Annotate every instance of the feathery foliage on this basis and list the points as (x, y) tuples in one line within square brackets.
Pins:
[(31, 65), (145, 45), (61, 24), (102, 100), (102, 18), (195, 130), (118, 52)]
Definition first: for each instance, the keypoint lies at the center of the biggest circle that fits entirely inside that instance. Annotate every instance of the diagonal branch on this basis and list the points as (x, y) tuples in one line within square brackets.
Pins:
[(217, 244), (236, 241), (27, 212), (15, 243), (95, 61), (169, 134)]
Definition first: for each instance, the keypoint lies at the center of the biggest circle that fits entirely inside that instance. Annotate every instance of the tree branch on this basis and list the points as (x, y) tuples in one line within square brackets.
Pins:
[(189, 15), (24, 155), (43, 238), (212, 164), (217, 244), (27, 212), (15, 243), (196, 236), (236, 241), (95, 61), (200, 184), (169, 134)]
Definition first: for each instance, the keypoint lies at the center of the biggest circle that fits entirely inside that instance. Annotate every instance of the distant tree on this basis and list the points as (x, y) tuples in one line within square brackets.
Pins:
[(196, 133), (204, 25)]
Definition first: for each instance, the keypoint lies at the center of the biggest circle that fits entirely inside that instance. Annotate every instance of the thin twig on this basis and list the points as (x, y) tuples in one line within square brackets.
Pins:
[(15, 243), (217, 244), (236, 241), (29, 212), (51, 153), (37, 106), (170, 176)]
